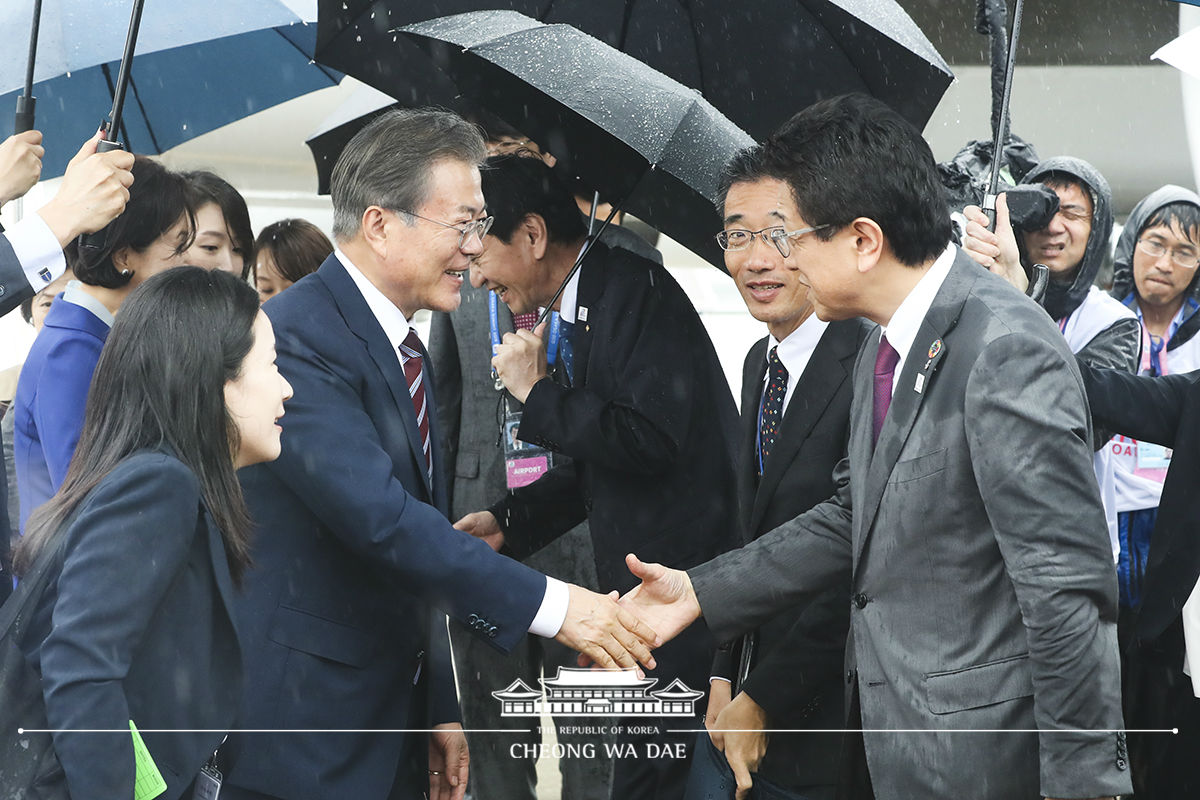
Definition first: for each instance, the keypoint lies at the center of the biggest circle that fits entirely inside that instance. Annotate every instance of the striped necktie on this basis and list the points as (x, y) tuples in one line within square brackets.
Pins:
[(414, 373)]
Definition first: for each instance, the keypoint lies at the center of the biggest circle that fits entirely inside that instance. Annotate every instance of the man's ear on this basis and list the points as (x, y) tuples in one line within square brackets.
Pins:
[(533, 229), (374, 228), (869, 242)]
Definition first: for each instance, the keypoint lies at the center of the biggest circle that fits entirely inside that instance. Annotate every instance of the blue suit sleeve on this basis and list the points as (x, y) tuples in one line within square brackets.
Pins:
[(123, 553), (335, 459), (62, 398)]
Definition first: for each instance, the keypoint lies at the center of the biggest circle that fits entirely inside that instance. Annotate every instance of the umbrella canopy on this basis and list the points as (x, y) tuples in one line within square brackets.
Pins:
[(757, 61), (648, 144), (1183, 53), (175, 93)]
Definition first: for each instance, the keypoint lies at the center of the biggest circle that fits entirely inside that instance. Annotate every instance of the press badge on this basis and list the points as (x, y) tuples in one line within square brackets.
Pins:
[(524, 463), (208, 783), (1153, 456)]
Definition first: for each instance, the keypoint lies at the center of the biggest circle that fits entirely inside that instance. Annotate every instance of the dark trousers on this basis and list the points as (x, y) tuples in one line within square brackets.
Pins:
[(1158, 695), (855, 783)]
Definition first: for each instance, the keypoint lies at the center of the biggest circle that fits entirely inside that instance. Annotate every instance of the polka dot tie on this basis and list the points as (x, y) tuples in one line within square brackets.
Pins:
[(771, 414)]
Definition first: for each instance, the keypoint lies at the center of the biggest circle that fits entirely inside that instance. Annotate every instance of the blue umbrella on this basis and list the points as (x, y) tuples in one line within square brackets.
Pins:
[(175, 93)]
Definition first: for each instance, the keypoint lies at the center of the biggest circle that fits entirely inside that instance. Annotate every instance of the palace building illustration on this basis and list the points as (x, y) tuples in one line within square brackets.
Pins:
[(598, 692)]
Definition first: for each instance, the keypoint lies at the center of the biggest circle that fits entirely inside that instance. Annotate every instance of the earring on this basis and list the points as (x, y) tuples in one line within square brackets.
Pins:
[(125, 273)]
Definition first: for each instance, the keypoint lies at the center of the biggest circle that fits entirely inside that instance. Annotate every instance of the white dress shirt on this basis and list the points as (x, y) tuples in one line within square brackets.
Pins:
[(901, 330), (38, 251), (794, 351), (553, 610)]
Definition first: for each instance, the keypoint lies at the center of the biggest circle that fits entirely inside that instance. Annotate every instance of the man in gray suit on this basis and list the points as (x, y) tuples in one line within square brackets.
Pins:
[(967, 524)]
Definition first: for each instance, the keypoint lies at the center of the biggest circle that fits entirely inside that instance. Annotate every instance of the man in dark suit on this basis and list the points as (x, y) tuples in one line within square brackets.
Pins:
[(94, 191), (353, 551), (640, 404), (967, 516), (796, 393)]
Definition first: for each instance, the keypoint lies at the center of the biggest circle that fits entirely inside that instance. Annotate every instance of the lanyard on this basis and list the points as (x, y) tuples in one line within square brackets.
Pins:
[(551, 337)]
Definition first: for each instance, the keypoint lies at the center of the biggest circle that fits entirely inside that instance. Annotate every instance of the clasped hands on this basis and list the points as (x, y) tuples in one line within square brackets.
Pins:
[(608, 630)]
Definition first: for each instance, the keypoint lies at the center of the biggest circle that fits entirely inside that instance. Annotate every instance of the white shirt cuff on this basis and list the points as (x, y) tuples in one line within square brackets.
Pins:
[(553, 612), (719, 678), (38, 251)]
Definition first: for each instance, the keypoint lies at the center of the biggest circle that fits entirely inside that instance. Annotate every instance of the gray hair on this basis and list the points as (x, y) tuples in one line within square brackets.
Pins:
[(387, 163)]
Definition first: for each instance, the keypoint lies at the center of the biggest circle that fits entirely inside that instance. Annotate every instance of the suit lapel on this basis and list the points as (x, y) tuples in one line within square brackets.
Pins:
[(591, 287), (831, 362), (362, 323), (752, 386), (914, 385)]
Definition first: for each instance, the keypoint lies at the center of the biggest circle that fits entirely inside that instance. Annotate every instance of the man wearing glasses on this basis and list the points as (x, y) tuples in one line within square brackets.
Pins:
[(1098, 329), (637, 400), (343, 618), (1155, 275)]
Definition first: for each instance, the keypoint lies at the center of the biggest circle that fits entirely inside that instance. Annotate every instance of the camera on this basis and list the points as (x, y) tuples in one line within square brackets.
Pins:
[(1031, 206)]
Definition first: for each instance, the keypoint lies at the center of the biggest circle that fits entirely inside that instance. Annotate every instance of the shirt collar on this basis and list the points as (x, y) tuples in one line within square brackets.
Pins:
[(75, 295), (570, 297), (901, 330), (797, 347), (395, 325)]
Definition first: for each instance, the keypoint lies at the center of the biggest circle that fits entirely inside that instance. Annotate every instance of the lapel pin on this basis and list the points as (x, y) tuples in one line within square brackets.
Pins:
[(582, 314), (920, 384)]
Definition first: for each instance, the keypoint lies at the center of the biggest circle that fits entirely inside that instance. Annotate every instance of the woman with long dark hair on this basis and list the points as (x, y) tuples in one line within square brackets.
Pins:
[(224, 238), (149, 535)]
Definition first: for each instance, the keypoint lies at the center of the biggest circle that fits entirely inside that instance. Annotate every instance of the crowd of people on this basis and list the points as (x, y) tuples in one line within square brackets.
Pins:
[(945, 549)]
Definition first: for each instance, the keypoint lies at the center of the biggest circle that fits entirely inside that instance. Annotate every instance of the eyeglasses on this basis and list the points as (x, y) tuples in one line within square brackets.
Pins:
[(740, 239), (476, 227), (1156, 250)]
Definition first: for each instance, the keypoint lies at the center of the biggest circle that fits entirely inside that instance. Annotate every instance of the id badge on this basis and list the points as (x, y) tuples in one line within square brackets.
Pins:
[(524, 463), (208, 783), (1153, 456)]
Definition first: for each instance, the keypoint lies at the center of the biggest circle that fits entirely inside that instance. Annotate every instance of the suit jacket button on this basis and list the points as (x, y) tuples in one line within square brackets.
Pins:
[(492, 632), (471, 620), (860, 600), (420, 654), (1122, 764), (849, 677)]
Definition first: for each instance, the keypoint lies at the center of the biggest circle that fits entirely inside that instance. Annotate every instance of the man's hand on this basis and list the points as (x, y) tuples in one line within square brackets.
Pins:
[(743, 722), (448, 762), (20, 164), (483, 525), (94, 191), (604, 633), (995, 250), (520, 361), (719, 694), (664, 599)]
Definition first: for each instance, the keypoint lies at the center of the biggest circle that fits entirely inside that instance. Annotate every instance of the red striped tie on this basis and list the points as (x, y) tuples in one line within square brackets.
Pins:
[(414, 373)]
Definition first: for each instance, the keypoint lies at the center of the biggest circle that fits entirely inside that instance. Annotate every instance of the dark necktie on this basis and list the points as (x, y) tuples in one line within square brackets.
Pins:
[(414, 373), (565, 351), (525, 321), (885, 369), (770, 416)]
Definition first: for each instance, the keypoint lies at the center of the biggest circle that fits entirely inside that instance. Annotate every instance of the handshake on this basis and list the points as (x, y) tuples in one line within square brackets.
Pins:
[(614, 631)]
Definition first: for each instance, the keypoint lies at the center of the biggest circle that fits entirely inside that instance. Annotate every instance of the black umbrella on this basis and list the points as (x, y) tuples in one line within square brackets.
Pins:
[(757, 61), (649, 145)]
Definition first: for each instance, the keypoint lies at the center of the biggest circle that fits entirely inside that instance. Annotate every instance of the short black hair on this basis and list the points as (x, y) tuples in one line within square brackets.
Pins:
[(1184, 215), (852, 156), (515, 186), (157, 200)]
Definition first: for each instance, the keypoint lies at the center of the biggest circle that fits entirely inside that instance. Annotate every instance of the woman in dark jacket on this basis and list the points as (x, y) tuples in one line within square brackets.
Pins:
[(149, 533)]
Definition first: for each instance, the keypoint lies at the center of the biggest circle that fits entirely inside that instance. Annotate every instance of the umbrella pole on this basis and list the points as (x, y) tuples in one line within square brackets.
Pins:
[(26, 101), (108, 141), (1001, 131), (587, 248)]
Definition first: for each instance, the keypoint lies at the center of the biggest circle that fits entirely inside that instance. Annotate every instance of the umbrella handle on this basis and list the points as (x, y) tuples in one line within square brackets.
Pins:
[(1038, 283), (23, 121), (97, 240)]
